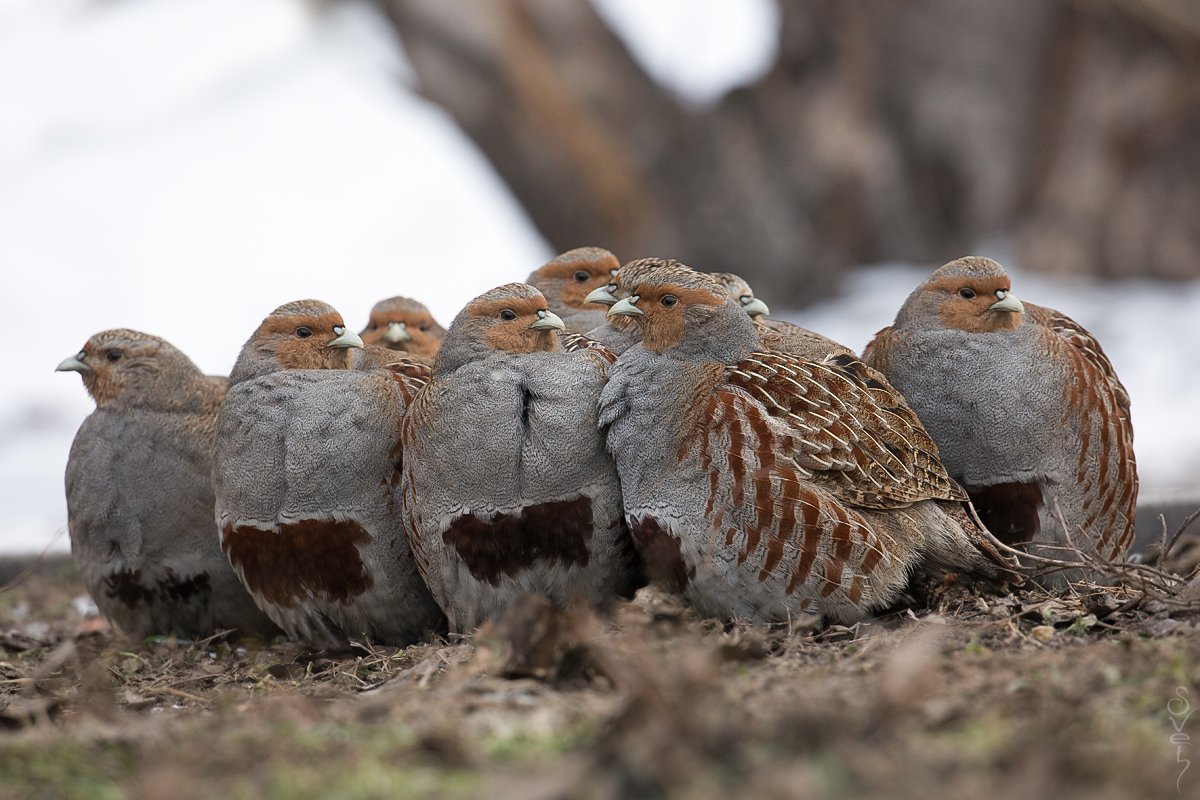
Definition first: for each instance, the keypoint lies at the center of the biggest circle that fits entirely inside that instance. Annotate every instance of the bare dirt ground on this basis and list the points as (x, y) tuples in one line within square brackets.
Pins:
[(1023, 696)]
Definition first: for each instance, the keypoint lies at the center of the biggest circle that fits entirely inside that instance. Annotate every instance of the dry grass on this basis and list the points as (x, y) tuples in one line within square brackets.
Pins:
[(1023, 695)]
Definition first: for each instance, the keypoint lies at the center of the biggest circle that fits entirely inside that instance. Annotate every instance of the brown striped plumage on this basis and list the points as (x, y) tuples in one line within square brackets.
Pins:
[(765, 484), (1097, 395), (576, 342), (410, 377), (785, 337), (853, 428), (1025, 408)]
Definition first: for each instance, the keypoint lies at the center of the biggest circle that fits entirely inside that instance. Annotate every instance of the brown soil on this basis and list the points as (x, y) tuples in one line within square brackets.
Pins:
[(1026, 695)]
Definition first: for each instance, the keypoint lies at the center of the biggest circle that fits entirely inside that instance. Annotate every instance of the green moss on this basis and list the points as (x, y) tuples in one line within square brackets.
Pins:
[(342, 760), (363, 778), (69, 768), (984, 740), (525, 748)]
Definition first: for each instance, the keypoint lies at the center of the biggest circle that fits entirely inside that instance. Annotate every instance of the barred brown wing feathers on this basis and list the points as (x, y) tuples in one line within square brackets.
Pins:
[(849, 428), (416, 417), (1082, 341), (878, 351), (1095, 400), (888, 418), (779, 336), (791, 532), (577, 342), (410, 376)]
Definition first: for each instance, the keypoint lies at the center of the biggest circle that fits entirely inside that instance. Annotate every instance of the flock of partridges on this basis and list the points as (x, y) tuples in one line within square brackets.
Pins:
[(577, 436)]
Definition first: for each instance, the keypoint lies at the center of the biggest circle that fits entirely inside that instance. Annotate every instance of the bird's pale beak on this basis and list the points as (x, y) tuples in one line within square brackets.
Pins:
[(603, 296), (345, 338), (755, 307), (547, 321), (626, 308), (396, 333), (72, 364), (1009, 302)]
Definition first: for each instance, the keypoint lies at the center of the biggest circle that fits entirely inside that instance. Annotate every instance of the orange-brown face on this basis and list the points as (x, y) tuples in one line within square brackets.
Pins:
[(663, 310), (409, 330), (968, 303), (303, 341), (104, 365), (575, 280), (518, 324)]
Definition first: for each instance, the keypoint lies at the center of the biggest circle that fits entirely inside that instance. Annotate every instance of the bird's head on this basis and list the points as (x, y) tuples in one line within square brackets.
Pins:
[(970, 294), (737, 288), (129, 367), (569, 280), (304, 334), (675, 305), (513, 318), (400, 323), (622, 285)]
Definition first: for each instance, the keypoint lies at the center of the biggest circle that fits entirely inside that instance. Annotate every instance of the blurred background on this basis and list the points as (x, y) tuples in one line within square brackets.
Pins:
[(183, 168)]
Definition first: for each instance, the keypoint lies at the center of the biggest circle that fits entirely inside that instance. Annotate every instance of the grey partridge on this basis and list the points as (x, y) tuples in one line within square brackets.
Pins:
[(764, 485), (306, 461), (1025, 408), (507, 487), (140, 496)]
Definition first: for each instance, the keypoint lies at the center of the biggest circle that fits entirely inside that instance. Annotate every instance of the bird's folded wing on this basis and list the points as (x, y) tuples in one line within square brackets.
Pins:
[(1098, 404), (879, 350), (578, 343), (1078, 338), (780, 336), (410, 376), (847, 428)]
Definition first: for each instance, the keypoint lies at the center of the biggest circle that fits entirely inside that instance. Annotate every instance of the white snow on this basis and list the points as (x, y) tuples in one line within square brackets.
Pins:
[(183, 168), (698, 48)]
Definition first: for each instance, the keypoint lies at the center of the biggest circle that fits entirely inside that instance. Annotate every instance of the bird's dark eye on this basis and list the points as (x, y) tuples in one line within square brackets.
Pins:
[(374, 327), (424, 326), (113, 355), (966, 293), (303, 333), (668, 300), (508, 314), (582, 275)]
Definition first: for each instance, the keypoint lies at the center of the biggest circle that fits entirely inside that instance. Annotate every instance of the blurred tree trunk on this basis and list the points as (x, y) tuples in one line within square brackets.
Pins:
[(894, 130)]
